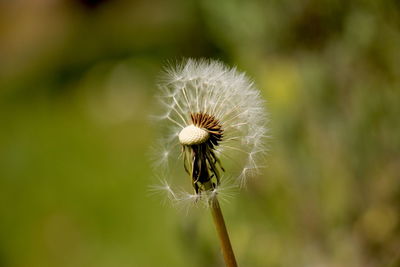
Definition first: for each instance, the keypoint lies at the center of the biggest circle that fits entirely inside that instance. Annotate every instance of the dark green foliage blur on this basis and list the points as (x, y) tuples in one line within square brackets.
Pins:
[(78, 83)]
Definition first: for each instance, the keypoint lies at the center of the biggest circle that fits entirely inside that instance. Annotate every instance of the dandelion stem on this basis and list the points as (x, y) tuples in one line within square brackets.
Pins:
[(219, 222)]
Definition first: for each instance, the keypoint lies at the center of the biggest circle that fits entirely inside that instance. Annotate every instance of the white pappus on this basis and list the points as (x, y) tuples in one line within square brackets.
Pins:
[(214, 129)]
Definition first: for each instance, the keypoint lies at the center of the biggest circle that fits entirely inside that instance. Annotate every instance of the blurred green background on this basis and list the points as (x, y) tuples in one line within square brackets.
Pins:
[(77, 84)]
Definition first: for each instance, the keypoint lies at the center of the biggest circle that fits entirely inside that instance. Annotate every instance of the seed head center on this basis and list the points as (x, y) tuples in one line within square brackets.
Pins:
[(193, 135)]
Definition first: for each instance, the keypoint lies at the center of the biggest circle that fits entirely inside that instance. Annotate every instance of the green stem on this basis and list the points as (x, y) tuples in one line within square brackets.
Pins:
[(219, 222)]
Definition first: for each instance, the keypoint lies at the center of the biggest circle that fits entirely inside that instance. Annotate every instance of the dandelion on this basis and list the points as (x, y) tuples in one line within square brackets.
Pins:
[(215, 125)]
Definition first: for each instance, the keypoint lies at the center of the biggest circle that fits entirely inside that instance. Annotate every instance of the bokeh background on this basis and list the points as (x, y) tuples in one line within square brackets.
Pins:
[(77, 85)]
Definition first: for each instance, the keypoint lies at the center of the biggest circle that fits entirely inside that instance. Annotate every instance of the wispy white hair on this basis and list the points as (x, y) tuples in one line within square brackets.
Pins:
[(209, 86)]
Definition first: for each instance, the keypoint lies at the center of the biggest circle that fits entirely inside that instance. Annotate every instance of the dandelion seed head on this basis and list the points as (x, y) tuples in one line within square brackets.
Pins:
[(214, 120)]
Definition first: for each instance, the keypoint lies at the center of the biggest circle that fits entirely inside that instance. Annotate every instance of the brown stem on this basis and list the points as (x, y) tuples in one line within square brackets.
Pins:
[(219, 222)]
